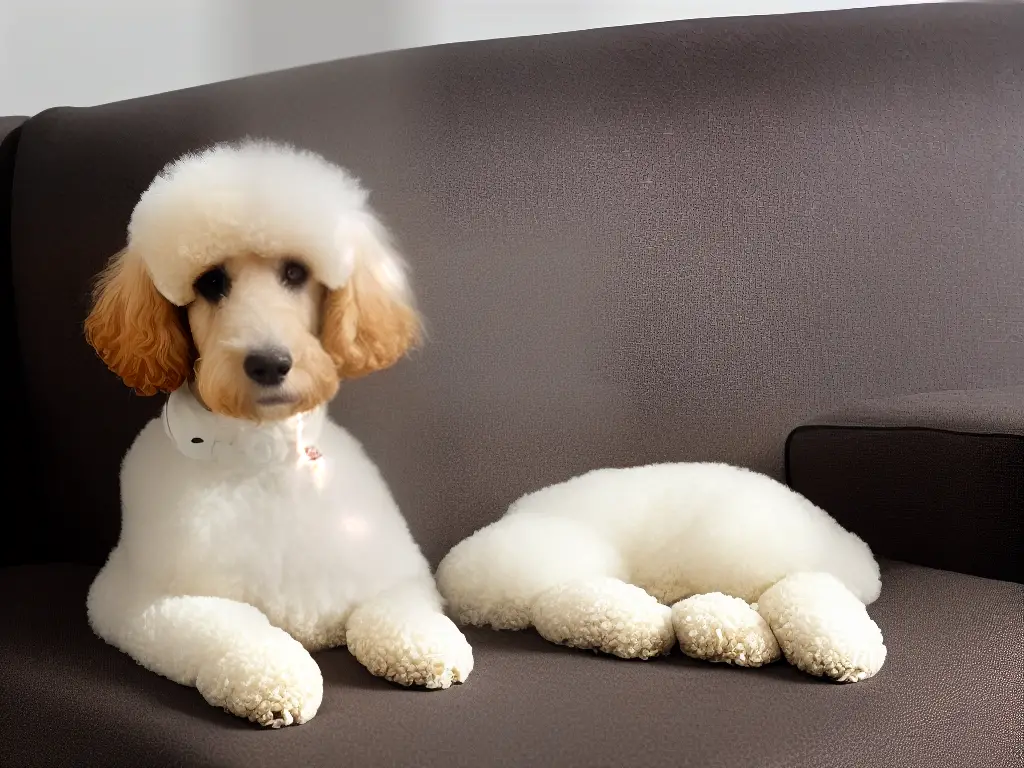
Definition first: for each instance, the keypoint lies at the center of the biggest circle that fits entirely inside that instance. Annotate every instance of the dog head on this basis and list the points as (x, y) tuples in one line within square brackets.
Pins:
[(257, 273)]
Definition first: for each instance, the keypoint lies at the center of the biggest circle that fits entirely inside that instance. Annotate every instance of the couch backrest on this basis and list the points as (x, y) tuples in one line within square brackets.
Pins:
[(663, 242), (18, 460)]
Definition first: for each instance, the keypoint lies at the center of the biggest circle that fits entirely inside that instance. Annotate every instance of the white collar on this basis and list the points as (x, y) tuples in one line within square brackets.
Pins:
[(206, 436)]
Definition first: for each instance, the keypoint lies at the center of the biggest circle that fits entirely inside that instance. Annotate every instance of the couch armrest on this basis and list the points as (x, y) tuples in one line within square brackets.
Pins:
[(935, 479), (20, 462)]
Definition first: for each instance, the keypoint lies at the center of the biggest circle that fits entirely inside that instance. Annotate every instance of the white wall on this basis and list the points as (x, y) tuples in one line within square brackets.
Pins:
[(83, 52)]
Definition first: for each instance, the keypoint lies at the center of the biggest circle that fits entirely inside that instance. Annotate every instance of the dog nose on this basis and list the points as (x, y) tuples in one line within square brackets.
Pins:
[(267, 367)]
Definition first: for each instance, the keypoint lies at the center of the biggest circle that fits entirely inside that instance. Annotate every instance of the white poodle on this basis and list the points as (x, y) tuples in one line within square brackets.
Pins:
[(730, 563), (254, 529)]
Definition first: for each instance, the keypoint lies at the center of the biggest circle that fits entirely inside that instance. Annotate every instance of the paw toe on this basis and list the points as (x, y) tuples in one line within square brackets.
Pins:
[(605, 615), (273, 684), (822, 628), (719, 628), (430, 652)]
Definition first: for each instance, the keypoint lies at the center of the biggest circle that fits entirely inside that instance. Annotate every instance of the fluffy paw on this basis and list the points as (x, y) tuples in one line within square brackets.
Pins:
[(716, 627), (605, 615), (823, 628), (421, 648), (272, 681)]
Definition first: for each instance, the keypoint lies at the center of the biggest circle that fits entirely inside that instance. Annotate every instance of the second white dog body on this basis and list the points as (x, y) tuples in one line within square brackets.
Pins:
[(688, 528), (733, 565)]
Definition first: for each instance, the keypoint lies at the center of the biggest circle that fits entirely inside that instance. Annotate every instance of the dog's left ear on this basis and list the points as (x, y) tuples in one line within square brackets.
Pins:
[(370, 322)]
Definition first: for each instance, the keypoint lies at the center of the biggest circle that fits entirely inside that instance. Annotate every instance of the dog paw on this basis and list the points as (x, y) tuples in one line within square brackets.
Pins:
[(720, 628), (823, 628), (606, 615), (422, 648), (271, 680)]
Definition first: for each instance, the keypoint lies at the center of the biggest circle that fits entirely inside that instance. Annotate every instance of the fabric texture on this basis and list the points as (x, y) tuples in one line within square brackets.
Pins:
[(29, 546), (936, 479), (667, 242), (949, 694)]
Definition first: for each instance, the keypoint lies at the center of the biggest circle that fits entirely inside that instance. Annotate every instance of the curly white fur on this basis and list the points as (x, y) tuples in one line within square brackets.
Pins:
[(823, 628), (717, 627), (250, 197), (605, 615), (403, 638), (588, 561), (232, 567)]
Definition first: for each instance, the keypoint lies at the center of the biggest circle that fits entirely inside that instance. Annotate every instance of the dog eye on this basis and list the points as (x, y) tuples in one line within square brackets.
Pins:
[(213, 285), (294, 274)]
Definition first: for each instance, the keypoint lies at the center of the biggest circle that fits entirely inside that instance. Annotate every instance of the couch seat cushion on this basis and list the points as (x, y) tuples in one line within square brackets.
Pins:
[(949, 694)]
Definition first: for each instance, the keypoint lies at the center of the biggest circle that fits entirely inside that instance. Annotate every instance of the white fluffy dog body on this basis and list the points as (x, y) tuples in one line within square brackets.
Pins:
[(254, 529), (733, 565)]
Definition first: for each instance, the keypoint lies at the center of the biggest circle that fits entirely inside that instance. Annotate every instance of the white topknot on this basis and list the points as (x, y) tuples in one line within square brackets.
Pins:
[(255, 197)]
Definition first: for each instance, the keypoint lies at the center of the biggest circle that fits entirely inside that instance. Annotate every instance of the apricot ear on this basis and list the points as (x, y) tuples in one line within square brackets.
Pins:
[(371, 321), (135, 330)]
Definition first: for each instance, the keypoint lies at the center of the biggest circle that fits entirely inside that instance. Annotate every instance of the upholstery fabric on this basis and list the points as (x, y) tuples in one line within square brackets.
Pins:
[(664, 242), (949, 694), (20, 461), (935, 478)]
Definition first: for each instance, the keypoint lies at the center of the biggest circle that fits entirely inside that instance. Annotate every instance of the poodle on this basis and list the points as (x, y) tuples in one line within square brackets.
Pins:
[(254, 529), (730, 563)]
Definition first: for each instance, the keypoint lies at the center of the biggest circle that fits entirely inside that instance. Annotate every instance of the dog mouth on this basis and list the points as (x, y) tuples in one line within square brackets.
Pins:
[(278, 399)]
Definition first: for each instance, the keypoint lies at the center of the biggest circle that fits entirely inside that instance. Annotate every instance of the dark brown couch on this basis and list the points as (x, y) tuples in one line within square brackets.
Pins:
[(668, 242)]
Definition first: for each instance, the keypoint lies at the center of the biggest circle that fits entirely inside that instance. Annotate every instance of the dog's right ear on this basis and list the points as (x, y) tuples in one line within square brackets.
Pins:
[(136, 331)]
